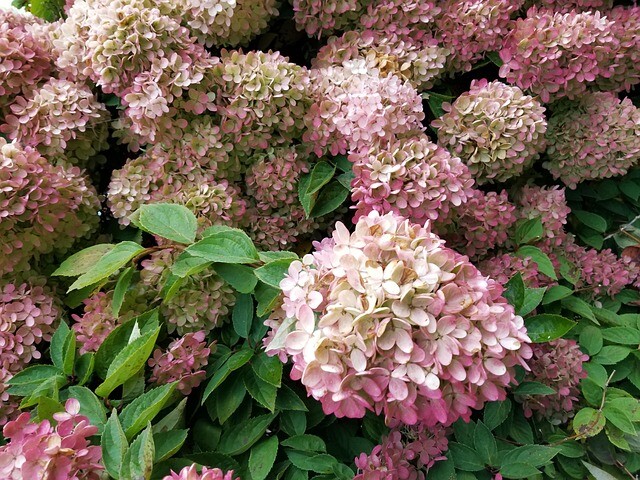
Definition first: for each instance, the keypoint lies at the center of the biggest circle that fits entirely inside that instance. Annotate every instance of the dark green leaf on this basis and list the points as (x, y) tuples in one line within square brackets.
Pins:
[(120, 290), (84, 367), (306, 443), (226, 246), (597, 373), (612, 354), (485, 444), (532, 298), (186, 266), (268, 369), (514, 291), (495, 58), (518, 470), (90, 406), (520, 429), (579, 306), (321, 174), (307, 201), (168, 443), (114, 445), (555, 293), (547, 327), (541, 259), (619, 418), (242, 315), (262, 457), (319, 463), (171, 221), (534, 455), (330, 198), (598, 473), (229, 397), (288, 400), (238, 276), (528, 231), (591, 339), (591, 220), (69, 353), (495, 413), (621, 335), (533, 388), (435, 101), (267, 298), (49, 10), (273, 272), (58, 340), (172, 420), (237, 360), (143, 409), (465, 458), (238, 440), (261, 391)]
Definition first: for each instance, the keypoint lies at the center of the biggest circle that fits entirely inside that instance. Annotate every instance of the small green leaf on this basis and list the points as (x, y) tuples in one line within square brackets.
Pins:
[(145, 408), (267, 298), (330, 198), (622, 335), (591, 220), (120, 290), (495, 413), (533, 388), (528, 231), (306, 443), (319, 462), (49, 10), (186, 266), (435, 101), (546, 327), (321, 174), (272, 273), (307, 201), (167, 220), (235, 441), (114, 446), (168, 443), (532, 298), (261, 391), (514, 291), (84, 367), (238, 276), (591, 339), (534, 455), (588, 422), (81, 262), (287, 399), (172, 420), (226, 246), (237, 360), (229, 397), (518, 470), (542, 260), (495, 58), (268, 369), (90, 406), (262, 457), (28, 380), (555, 293), (619, 418), (242, 315), (69, 353), (579, 306), (108, 264)]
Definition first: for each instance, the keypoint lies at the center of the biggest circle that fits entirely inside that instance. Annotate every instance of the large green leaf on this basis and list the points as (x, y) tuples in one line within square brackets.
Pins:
[(171, 221), (90, 406), (262, 457), (238, 440), (83, 261), (273, 272), (114, 445), (546, 327), (225, 246), (144, 409)]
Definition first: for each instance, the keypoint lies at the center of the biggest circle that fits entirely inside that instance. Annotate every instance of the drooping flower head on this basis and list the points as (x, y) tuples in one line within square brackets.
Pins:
[(596, 136), (496, 129), (557, 364), (411, 177), (190, 473), (40, 450), (388, 319)]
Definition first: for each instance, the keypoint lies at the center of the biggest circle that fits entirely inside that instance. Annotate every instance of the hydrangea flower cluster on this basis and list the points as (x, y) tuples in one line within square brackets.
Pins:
[(61, 117), (41, 450), (556, 54), (190, 473), (411, 177), (569, 5), (549, 205), (496, 129), (202, 302), (321, 17), (481, 224), (183, 362), (412, 55), (407, 453), (502, 267), (470, 28), (388, 319), (557, 364), (399, 15), (43, 208), (596, 136), (356, 106)]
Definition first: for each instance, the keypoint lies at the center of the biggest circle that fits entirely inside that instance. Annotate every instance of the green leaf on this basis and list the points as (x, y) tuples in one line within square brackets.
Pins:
[(235, 441), (518, 470), (114, 446), (514, 291), (261, 391), (597, 373), (591, 339), (186, 266), (520, 429), (267, 298), (528, 231), (579, 306), (622, 335), (591, 392), (465, 458), (619, 418), (69, 353), (90, 406), (547, 327), (533, 388), (172, 420), (108, 264), (262, 457), (47, 388), (226, 246), (485, 444), (120, 290), (346, 179), (272, 273), (49, 10), (598, 473), (555, 293), (238, 276), (46, 408), (542, 260), (268, 369), (237, 360), (268, 257), (119, 338), (612, 354), (171, 221), (319, 462), (287, 399), (167, 444), (128, 362), (495, 58), (28, 380), (242, 315), (321, 174), (307, 201), (591, 220), (81, 262), (534, 455), (588, 422), (171, 287), (138, 460), (229, 397), (84, 367), (435, 101), (495, 413), (532, 298), (306, 443), (145, 408), (58, 340), (330, 198)]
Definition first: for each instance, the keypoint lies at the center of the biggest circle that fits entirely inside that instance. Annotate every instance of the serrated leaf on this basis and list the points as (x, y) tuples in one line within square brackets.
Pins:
[(534, 455), (226, 246), (84, 367), (321, 174), (229, 397), (533, 388), (546, 327), (58, 340), (540, 258), (167, 220), (485, 444), (588, 422), (619, 418), (591, 339), (167, 444), (555, 293), (306, 443), (579, 306), (186, 266), (262, 457), (268, 369), (331, 197), (612, 354), (591, 220), (514, 291), (465, 458), (518, 470), (622, 335), (108, 264), (532, 298), (240, 439), (261, 391), (242, 315), (124, 280), (114, 445), (273, 272), (90, 406), (28, 380), (495, 413), (144, 409), (172, 420), (234, 362), (238, 276), (598, 473), (138, 460), (528, 231), (287, 399), (83, 261)]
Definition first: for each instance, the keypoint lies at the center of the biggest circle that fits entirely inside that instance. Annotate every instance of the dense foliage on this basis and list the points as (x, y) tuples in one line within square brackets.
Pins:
[(331, 239)]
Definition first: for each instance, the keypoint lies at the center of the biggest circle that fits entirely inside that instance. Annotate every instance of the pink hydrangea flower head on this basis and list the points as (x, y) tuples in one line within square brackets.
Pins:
[(190, 473), (495, 129), (399, 15), (183, 361), (596, 136), (279, 229), (39, 450), (322, 17), (407, 453), (388, 319), (43, 208), (8, 404), (411, 177), (59, 117), (536, 57), (549, 205), (202, 303), (571, 5), (557, 364), (356, 106), (502, 267), (414, 56), (470, 28), (481, 224)]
